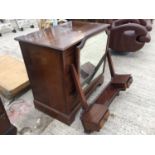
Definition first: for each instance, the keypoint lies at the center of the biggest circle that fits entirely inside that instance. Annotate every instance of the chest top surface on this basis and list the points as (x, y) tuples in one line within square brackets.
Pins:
[(63, 36)]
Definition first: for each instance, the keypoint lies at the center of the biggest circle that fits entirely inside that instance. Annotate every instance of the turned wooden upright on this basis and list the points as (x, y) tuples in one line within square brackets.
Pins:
[(48, 55)]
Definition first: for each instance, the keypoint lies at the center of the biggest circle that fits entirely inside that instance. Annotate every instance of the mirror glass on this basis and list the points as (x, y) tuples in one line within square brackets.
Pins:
[(90, 55)]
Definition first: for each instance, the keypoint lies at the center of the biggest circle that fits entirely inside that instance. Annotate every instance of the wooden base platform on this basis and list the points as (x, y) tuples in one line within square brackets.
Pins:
[(94, 118)]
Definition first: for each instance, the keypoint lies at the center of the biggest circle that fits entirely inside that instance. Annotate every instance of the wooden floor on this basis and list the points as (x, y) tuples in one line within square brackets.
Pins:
[(132, 112)]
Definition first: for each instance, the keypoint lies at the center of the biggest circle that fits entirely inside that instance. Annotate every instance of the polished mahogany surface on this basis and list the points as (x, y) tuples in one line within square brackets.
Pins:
[(64, 36), (52, 58), (48, 55)]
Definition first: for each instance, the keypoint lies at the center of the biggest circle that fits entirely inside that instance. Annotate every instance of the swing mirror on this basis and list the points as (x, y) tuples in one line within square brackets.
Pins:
[(92, 57)]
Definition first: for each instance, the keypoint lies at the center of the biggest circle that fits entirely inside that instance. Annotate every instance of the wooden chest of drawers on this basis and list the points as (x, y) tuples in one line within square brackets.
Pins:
[(48, 55)]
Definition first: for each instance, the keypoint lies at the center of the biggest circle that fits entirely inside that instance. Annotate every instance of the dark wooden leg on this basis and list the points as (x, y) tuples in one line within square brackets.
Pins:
[(6, 128), (11, 131)]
